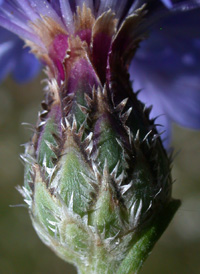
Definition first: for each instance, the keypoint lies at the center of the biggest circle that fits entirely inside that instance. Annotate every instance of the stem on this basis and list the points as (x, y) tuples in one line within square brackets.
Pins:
[(140, 251)]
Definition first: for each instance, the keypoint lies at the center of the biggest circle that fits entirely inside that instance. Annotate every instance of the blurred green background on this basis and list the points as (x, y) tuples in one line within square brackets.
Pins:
[(21, 251)]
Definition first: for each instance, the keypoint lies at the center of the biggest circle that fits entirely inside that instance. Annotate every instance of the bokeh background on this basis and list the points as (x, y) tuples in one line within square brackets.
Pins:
[(21, 251)]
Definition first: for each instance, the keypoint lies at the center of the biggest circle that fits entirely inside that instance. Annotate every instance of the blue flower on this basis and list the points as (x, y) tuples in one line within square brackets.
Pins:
[(166, 69), (16, 59)]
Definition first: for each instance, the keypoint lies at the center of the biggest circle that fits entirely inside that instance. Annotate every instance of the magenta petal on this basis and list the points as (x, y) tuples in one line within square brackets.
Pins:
[(82, 75)]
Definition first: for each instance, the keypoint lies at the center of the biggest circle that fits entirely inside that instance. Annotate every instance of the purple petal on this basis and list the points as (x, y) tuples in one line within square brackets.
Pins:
[(66, 12), (18, 30), (45, 8)]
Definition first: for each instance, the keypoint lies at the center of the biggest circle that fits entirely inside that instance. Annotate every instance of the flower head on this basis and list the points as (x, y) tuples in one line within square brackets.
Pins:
[(27, 19), (54, 29)]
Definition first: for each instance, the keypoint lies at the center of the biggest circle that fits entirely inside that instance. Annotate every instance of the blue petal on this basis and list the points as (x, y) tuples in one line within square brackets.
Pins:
[(15, 59), (183, 102), (150, 95), (7, 59), (29, 67), (180, 5), (167, 69), (167, 3), (7, 36)]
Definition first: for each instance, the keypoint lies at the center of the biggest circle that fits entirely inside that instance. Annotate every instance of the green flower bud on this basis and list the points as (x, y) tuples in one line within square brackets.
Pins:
[(98, 185)]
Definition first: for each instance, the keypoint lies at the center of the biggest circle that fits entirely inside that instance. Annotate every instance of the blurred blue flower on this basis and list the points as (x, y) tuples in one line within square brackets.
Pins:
[(166, 69), (16, 59)]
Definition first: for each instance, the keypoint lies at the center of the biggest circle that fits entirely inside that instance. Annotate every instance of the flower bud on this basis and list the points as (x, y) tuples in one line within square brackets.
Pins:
[(97, 178)]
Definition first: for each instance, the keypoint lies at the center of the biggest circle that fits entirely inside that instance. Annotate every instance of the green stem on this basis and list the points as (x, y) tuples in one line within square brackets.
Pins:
[(140, 250)]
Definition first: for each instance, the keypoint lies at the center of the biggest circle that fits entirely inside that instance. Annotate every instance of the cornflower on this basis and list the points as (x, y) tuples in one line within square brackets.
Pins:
[(97, 177)]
